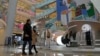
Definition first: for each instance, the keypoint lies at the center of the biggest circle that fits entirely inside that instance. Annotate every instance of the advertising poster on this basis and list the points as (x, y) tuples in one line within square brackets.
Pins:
[(75, 10), (65, 12), (61, 6), (63, 18)]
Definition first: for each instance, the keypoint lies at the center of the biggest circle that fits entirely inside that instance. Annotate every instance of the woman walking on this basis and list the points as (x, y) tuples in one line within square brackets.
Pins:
[(34, 38)]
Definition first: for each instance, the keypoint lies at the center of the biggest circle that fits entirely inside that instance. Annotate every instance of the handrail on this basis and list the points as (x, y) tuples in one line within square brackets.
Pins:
[(44, 13), (51, 21), (44, 3), (39, 5)]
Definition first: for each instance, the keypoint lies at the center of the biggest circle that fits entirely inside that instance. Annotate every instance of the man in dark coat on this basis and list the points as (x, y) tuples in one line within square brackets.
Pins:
[(88, 38), (27, 36)]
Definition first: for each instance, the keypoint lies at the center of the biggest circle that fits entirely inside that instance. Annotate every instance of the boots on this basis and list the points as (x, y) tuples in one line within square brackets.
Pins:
[(33, 46)]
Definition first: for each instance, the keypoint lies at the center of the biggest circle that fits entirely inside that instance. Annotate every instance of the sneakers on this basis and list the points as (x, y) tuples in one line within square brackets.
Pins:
[(30, 53), (36, 51), (24, 53)]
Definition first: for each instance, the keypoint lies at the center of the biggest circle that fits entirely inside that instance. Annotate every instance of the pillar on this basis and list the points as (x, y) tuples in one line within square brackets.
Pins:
[(11, 17)]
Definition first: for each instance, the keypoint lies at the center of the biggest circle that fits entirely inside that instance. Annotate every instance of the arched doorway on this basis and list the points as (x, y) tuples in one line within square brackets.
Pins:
[(95, 29)]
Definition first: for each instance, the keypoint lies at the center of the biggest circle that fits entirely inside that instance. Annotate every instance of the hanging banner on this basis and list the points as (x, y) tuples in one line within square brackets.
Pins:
[(70, 10), (90, 10), (64, 18), (61, 6)]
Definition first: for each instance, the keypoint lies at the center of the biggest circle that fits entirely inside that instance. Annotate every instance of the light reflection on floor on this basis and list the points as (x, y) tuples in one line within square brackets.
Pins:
[(5, 51)]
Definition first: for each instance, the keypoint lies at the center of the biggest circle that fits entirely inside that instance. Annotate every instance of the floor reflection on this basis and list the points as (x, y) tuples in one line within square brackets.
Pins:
[(42, 54), (5, 51), (53, 54)]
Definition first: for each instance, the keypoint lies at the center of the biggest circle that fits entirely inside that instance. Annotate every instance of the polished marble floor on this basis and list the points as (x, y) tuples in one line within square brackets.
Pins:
[(9, 51)]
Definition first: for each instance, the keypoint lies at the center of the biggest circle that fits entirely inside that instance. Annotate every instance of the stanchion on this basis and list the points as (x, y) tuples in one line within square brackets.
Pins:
[(45, 39), (44, 42), (49, 43), (15, 49), (40, 40)]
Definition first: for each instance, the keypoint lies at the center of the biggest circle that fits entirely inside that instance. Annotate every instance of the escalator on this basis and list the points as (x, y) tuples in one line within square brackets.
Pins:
[(45, 2), (46, 12), (50, 24), (95, 32)]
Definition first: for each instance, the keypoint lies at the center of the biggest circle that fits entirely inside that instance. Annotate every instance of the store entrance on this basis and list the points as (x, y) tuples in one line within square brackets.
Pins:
[(14, 40)]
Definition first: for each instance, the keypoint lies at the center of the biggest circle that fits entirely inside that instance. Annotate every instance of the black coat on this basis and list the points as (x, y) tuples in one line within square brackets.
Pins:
[(65, 39), (27, 30)]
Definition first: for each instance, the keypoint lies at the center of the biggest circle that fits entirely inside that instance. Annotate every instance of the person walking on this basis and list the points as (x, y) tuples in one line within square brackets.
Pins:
[(27, 37), (48, 36), (34, 38)]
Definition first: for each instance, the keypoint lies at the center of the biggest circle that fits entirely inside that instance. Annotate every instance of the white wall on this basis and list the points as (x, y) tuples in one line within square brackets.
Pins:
[(96, 4), (79, 2)]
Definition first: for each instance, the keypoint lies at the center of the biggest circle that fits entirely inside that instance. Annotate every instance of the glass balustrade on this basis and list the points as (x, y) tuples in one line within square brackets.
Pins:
[(51, 23), (46, 12), (39, 5), (44, 3)]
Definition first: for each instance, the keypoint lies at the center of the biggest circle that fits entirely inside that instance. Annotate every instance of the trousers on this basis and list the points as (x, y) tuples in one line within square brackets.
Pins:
[(24, 45)]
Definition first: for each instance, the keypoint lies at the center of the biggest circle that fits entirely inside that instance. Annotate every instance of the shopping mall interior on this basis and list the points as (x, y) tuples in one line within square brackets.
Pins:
[(74, 27)]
